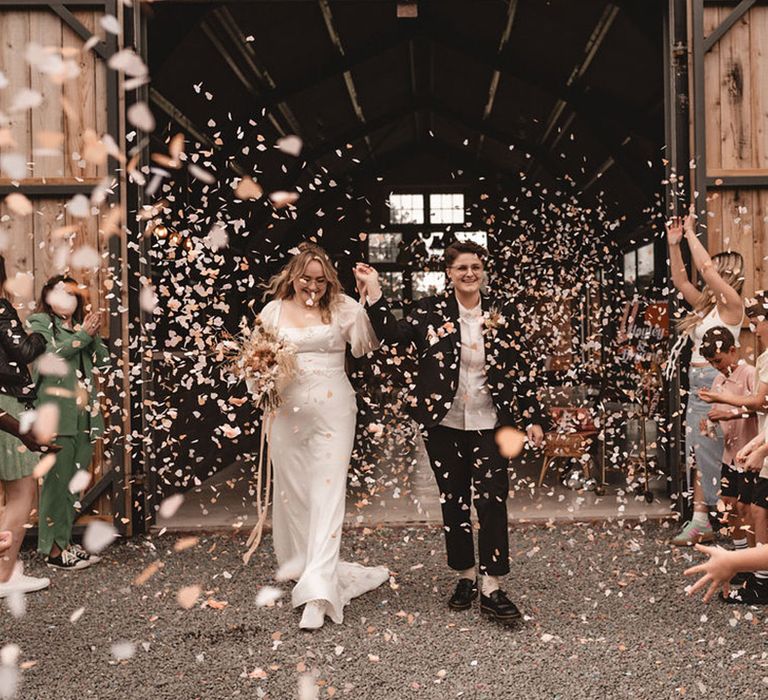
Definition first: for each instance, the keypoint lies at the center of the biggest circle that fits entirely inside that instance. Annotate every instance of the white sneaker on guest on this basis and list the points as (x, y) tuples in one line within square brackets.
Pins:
[(19, 583), (83, 555), (313, 617)]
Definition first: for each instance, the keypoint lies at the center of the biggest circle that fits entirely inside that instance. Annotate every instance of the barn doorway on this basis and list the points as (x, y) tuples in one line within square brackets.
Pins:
[(537, 129)]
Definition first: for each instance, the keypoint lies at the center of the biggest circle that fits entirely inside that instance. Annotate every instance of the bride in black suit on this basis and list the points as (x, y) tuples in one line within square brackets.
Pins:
[(472, 380)]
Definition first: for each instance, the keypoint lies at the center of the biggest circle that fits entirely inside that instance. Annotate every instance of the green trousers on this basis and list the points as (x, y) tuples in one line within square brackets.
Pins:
[(57, 504)]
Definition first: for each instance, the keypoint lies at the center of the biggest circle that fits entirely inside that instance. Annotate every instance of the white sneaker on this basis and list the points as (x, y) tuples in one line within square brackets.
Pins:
[(313, 617), (67, 560), (83, 555), (19, 583)]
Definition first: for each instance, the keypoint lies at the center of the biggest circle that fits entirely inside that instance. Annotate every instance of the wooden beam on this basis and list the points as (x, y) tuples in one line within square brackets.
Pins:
[(735, 15), (349, 82)]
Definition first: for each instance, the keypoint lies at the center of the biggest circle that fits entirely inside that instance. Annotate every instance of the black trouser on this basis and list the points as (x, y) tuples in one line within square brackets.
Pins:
[(462, 459)]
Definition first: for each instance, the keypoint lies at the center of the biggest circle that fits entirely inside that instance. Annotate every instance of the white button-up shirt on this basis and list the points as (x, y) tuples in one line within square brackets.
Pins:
[(473, 408)]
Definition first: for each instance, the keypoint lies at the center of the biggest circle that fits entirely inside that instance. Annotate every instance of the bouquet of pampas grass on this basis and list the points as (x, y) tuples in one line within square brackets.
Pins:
[(267, 363)]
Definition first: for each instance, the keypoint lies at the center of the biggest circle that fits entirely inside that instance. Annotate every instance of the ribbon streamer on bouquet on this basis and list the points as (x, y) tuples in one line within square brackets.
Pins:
[(263, 478)]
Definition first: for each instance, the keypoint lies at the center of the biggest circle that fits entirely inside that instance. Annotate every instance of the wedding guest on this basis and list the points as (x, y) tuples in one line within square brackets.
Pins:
[(752, 457), (311, 435), (718, 303), (72, 335), (739, 427), (471, 377), (17, 350)]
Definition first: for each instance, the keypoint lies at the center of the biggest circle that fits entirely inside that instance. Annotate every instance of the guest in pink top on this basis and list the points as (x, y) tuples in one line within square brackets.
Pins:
[(739, 427)]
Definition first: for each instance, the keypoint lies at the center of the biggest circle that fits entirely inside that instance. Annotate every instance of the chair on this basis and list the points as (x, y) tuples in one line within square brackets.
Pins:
[(572, 437)]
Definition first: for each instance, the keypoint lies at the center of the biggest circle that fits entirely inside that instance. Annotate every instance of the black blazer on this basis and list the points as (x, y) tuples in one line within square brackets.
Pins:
[(17, 350), (432, 326)]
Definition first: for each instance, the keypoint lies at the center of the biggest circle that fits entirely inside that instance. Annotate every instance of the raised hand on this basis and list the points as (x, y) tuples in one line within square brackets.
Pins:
[(716, 572), (675, 230), (367, 277), (91, 323)]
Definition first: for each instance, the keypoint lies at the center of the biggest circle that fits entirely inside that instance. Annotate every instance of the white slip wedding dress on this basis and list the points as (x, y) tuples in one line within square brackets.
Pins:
[(311, 437)]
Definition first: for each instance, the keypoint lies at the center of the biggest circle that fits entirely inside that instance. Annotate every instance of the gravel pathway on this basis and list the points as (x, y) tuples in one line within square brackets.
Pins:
[(605, 618)]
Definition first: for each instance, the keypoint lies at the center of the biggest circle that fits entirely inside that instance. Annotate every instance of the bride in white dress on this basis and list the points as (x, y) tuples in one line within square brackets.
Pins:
[(312, 433)]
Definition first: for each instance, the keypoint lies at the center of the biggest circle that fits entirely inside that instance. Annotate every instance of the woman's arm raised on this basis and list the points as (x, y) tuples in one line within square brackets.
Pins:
[(729, 302), (676, 264)]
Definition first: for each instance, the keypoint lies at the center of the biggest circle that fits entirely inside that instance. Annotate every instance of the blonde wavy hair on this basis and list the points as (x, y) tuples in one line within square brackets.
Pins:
[(730, 266), (280, 286)]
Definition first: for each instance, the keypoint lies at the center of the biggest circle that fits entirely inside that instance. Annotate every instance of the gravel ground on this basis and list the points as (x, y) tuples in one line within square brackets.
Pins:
[(605, 618)]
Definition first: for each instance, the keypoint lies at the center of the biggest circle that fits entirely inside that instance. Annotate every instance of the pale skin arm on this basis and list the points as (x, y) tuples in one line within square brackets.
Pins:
[(747, 402), (729, 303), (722, 566), (676, 264)]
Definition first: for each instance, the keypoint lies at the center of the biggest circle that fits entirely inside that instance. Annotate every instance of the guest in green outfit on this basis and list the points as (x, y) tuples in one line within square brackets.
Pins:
[(73, 335), (17, 350)]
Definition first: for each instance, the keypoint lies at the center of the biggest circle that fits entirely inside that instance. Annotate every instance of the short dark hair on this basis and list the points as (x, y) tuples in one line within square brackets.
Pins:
[(455, 249), (715, 340), (756, 308)]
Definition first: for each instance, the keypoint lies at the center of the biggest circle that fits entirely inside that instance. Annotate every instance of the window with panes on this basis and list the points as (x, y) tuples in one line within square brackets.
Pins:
[(408, 253)]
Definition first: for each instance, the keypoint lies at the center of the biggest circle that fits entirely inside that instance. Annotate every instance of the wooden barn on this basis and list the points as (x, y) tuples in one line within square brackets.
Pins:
[(421, 121)]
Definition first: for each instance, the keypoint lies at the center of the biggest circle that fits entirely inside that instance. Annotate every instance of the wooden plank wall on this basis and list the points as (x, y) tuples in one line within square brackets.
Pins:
[(53, 137), (736, 99)]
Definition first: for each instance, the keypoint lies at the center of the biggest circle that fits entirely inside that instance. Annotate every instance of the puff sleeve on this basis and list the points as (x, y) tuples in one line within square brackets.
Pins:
[(355, 326)]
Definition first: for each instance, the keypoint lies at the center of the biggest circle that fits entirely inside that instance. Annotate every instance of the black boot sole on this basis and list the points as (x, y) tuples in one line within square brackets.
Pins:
[(499, 618), (463, 606)]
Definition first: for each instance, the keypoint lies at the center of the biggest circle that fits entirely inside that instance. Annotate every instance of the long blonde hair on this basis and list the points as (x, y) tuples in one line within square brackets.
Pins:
[(280, 286), (730, 266)]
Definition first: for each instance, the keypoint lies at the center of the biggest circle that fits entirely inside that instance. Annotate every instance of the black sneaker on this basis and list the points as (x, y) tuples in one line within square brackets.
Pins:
[(465, 593), (499, 607), (754, 592), (67, 560)]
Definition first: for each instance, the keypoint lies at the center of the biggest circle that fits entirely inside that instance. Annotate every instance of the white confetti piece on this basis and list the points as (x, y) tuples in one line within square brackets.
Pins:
[(170, 505), (14, 165), (187, 596), (25, 99), (79, 481), (268, 596), (217, 238), (281, 199), (110, 24), (123, 651), (98, 536), (46, 423), (76, 615), (52, 365), (19, 204), (61, 300), (17, 604), (79, 206), (85, 258), (128, 62), (201, 174), (291, 145), (44, 466), (148, 300), (140, 116), (21, 285)]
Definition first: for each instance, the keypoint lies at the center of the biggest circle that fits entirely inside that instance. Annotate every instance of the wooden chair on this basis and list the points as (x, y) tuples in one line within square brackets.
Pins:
[(572, 438)]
